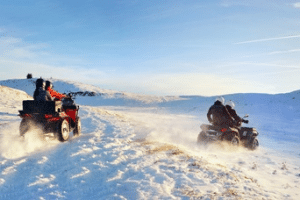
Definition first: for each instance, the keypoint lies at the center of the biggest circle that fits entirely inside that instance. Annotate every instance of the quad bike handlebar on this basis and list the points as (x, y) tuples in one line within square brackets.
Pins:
[(239, 123)]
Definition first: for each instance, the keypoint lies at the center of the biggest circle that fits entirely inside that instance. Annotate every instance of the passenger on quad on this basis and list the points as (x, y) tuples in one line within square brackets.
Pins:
[(218, 115), (40, 94), (237, 119), (53, 93)]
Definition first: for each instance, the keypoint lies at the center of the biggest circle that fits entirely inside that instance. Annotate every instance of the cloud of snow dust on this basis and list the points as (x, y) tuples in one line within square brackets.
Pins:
[(181, 131), (12, 145), (166, 128)]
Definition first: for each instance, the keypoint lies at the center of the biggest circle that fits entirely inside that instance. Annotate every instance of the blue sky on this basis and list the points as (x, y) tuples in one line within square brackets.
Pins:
[(167, 47)]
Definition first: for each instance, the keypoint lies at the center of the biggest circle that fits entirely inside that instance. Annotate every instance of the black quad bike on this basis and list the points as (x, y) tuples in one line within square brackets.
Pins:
[(235, 135), (58, 117)]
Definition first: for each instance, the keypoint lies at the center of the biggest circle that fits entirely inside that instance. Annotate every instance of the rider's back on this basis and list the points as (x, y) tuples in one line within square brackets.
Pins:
[(219, 115), (41, 95)]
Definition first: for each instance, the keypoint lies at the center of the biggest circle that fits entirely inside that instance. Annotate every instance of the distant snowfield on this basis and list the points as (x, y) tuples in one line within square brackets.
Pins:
[(130, 149)]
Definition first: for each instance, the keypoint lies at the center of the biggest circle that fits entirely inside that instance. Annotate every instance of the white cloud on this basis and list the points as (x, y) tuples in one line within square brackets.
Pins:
[(187, 84), (9, 41), (202, 84), (296, 5), (16, 48), (273, 53), (230, 3), (269, 39), (19, 69), (17, 58), (22, 53)]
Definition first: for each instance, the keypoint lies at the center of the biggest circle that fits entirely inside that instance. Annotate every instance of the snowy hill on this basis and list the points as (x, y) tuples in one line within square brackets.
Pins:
[(81, 89), (11, 102), (144, 147)]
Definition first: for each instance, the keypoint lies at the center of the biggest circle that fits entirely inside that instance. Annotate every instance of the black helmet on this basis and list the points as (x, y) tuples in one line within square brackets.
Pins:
[(40, 83), (48, 84)]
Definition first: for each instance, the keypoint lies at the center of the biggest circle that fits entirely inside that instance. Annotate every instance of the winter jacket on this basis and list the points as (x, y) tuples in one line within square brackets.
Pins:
[(218, 115), (232, 112), (235, 116), (41, 95), (55, 94)]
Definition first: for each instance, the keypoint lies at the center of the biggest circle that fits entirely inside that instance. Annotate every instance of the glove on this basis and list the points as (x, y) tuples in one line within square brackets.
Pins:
[(246, 121)]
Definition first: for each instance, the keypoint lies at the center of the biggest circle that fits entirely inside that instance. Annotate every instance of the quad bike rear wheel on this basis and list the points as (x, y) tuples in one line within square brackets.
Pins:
[(77, 130), (24, 126), (63, 130), (201, 137)]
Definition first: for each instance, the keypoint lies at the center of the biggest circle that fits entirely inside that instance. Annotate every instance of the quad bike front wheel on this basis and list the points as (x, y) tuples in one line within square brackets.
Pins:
[(77, 130), (254, 144), (63, 130)]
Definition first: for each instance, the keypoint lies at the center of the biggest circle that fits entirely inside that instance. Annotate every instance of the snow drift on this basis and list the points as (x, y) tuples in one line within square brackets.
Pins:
[(144, 147)]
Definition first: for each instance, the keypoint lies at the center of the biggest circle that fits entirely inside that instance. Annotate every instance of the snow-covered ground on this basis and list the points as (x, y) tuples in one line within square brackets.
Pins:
[(135, 146)]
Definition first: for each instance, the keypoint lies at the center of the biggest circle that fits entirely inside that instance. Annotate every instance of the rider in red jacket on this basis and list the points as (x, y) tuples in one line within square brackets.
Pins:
[(53, 93)]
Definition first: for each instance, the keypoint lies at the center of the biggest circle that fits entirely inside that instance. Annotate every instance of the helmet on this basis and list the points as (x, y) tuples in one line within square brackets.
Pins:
[(220, 99), (48, 84), (231, 104), (40, 83)]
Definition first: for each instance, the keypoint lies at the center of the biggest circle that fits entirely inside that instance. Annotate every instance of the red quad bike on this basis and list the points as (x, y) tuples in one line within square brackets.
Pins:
[(235, 135), (58, 117)]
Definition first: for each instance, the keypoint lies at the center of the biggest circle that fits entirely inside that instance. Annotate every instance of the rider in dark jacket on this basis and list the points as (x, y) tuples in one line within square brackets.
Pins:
[(218, 115), (40, 94), (230, 107)]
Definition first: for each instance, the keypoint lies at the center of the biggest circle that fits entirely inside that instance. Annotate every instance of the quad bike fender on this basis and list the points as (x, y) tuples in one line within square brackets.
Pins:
[(230, 133), (205, 127), (234, 131)]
